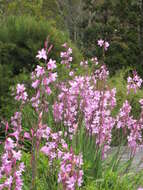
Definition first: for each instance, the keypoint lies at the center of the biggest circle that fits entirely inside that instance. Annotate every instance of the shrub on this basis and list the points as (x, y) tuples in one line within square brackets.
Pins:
[(20, 39)]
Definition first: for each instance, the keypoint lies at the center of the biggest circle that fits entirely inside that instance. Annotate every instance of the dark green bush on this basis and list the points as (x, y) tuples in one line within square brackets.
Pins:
[(20, 39)]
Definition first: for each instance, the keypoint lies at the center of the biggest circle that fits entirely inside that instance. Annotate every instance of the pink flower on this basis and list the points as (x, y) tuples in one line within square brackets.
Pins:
[(17, 155), (95, 60), (36, 83), (9, 144), (48, 90), (134, 83), (21, 94), (141, 102), (39, 71), (42, 54), (45, 150), (66, 56), (100, 42), (52, 77), (71, 73), (51, 64), (27, 135), (64, 45), (8, 181), (69, 51), (20, 88), (106, 45), (103, 43)]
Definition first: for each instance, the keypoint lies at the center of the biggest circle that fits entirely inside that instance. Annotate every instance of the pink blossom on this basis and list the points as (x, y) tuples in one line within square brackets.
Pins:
[(100, 42), (48, 90), (134, 83), (9, 144), (42, 54), (65, 45), (21, 94), (8, 182), (141, 103), (66, 56), (95, 60), (27, 135), (36, 83), (45, 150), (52, 77), (20, 88), (102, 73), (17, 155), (106, 45), (51, 64), (71, 73), (39, 71)]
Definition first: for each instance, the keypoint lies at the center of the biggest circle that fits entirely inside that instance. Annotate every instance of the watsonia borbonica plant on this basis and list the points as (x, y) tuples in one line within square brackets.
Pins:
[(82, 101)]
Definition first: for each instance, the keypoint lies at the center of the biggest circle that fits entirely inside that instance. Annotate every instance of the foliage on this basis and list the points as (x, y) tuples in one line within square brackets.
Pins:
[(120, 22), (20, 38), (119, 81)]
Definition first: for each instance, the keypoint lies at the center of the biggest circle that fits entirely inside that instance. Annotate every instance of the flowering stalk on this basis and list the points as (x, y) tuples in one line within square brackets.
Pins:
[(42, 78), (70, 173), (11, 168)]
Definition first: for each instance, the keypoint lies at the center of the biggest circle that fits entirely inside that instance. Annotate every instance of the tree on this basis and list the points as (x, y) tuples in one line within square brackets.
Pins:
[(72, 12)]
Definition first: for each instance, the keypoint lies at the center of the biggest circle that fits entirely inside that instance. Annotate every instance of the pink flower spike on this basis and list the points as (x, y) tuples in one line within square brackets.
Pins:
[(42, 54)]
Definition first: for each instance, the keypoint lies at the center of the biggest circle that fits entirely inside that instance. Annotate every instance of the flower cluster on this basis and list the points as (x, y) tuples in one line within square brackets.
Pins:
[(123, 118), (134, 83), (95, 60), (83, 101), (97, 107), (10, 167), (54, 144), (42, 77), (81, 96), (66, 109), (66, 55), (130, 126), (102, 73), (70, 173), (83, 63), (21, 94), (104, 44)]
